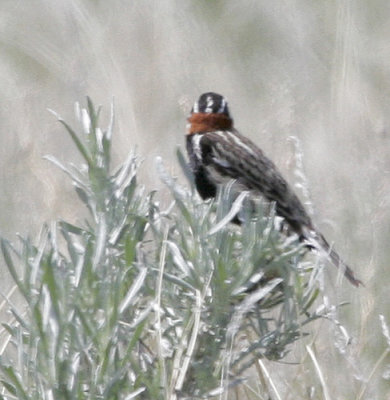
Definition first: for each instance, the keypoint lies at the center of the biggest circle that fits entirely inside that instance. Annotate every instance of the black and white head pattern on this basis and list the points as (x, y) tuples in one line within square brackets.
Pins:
[(211, 103)]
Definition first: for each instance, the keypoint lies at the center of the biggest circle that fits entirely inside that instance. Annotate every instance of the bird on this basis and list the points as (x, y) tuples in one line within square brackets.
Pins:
[(218, 153)]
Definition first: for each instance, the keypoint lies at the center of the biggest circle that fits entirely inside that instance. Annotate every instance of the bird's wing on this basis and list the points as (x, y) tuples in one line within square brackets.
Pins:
[(228, 155)]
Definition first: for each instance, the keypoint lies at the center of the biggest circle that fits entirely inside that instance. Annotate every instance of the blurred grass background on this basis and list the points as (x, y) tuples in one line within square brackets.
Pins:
[(317, 70)]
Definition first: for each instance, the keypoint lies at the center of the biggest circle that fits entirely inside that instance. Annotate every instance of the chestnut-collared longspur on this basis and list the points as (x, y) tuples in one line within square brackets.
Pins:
[(218, 153)]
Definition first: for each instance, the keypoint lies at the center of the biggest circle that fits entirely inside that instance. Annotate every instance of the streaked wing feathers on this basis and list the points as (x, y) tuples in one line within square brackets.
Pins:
[(228, 155)]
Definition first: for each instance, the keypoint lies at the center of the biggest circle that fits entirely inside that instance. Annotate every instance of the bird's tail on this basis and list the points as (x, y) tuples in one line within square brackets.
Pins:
[(318, 241)]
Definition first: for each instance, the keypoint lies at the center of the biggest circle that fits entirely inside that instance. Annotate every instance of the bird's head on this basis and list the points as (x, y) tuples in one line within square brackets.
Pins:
[(209, 113)]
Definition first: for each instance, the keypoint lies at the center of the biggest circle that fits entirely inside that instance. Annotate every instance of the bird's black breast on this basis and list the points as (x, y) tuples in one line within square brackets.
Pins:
[(198, 154)]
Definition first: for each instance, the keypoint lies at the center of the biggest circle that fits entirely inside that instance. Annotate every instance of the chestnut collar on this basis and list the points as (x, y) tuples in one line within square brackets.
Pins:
[(208, 122)]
